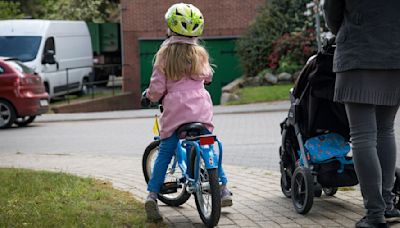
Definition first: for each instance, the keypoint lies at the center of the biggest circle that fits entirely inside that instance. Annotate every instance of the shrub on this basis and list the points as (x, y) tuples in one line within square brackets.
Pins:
[(10, 10), (291, 51), (274, 19)]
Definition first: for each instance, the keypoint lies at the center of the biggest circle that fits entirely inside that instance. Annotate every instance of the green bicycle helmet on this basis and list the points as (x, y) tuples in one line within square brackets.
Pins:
[(185, 19)]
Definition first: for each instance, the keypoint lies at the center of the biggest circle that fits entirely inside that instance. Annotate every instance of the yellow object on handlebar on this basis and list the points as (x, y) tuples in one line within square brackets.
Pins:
[(156, 128)]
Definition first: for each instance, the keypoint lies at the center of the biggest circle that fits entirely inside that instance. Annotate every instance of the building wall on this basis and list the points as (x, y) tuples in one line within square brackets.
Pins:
[(145, 19)]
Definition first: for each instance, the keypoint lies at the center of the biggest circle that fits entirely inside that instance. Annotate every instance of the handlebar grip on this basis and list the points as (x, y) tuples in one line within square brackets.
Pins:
[(144, 101)]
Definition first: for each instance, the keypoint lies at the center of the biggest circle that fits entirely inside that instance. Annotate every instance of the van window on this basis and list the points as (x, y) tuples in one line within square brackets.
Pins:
[(23, 48), (49, 45), (1, 70)]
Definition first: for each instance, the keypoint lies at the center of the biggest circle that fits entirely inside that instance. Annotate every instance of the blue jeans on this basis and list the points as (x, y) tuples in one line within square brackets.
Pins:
[(166, 151)]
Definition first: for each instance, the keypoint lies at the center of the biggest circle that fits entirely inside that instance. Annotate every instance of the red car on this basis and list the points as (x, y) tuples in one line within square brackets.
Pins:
[(22, 94)]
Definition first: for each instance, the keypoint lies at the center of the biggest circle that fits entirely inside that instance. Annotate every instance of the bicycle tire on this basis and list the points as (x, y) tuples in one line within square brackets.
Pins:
[(213, 219), (175, 202)]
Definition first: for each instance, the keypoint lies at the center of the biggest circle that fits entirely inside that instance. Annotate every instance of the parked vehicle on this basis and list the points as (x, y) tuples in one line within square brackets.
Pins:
[(22, 94), (60, 51)]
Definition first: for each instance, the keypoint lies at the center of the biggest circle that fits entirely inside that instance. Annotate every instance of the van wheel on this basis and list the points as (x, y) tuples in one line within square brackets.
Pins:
[(7, 114), (84, 88)]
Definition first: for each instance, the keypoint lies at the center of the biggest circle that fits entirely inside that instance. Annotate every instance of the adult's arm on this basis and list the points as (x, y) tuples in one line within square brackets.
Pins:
[(334, 13)]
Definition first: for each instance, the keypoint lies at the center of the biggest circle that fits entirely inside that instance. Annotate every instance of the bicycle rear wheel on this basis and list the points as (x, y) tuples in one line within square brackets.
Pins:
[(207, 196), (173, 174)]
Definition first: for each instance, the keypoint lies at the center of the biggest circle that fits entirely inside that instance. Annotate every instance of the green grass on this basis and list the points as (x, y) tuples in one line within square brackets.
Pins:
[(46, 199), (262, 94)]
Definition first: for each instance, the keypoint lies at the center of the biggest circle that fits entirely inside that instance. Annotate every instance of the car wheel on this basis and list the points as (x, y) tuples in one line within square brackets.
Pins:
[(24, 121), (7, 114)]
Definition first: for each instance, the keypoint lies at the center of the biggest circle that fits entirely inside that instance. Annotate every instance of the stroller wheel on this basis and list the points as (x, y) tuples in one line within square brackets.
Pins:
[(317, 190), (330, 191), (318, 193), (286, 175), (302, 190), (286, 185)]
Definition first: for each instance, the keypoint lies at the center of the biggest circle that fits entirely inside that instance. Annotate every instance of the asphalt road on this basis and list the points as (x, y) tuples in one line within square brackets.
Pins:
[(250, 139)]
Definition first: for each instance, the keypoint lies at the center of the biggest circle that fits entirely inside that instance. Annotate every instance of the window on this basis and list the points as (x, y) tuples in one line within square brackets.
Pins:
[(23, 48), (49, 45), (1, 70)]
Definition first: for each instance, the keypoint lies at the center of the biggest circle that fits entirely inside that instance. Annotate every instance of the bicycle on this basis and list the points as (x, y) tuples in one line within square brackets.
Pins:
[(194, 172)]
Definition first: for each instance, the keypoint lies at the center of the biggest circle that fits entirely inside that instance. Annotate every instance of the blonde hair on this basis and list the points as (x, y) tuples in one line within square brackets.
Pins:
[(178, 60)]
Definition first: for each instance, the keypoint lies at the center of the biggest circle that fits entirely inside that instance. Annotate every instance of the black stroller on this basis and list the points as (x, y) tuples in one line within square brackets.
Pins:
[(313, 113)]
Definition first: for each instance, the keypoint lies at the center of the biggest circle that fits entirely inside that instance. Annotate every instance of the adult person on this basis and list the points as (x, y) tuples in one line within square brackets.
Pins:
[(367, 66)]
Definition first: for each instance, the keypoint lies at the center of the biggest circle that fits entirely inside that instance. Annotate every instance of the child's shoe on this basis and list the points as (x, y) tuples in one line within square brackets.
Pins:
[(151, 207), (226, 197)]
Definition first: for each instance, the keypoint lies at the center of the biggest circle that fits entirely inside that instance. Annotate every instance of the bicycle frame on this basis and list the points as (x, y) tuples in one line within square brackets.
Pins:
[(205, 152)]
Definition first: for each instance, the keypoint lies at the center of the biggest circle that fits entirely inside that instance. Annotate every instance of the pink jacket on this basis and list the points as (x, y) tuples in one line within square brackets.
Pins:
[(185, 101)]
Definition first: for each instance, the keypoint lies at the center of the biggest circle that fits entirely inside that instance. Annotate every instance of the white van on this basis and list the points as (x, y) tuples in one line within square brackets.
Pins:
[(60, 51)]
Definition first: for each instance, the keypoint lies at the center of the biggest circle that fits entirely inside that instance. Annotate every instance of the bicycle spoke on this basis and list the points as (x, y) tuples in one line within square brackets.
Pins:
[(173, 174)]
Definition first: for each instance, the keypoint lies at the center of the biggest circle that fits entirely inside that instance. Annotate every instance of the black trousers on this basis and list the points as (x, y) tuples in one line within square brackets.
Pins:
[(374, 153)]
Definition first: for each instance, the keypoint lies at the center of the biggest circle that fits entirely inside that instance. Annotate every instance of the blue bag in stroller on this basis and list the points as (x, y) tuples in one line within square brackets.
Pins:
[(324, 148)]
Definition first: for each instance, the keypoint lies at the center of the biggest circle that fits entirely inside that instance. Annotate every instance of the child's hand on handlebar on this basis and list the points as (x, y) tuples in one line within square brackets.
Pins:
[(147, 103), (144, 101)]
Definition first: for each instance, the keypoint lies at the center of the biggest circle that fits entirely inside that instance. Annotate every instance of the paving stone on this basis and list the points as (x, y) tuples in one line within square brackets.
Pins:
[(291, 225), (246, 223), (255, 205)]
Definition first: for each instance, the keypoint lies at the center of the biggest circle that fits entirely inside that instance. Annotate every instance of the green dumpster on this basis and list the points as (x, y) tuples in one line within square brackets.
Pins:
[(105, 37)]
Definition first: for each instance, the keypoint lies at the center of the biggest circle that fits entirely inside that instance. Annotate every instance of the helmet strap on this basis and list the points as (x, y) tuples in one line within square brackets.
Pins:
[(180, 39)]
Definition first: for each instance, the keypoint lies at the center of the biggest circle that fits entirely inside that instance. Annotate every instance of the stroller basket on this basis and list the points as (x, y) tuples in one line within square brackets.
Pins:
[(328, 176)]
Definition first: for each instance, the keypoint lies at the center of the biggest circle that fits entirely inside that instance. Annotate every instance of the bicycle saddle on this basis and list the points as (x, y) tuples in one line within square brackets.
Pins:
[(190, 129)]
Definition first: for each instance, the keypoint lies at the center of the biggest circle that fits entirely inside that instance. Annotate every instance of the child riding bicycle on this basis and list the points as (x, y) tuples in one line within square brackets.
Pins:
[(180, 70)]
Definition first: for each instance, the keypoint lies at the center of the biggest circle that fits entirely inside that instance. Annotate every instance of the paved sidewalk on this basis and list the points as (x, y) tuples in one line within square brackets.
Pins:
[(258, 201), (148, 113)]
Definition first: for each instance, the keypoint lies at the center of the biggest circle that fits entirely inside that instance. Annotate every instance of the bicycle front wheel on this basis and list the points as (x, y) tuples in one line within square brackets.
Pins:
[(173, 174), (207, 196)]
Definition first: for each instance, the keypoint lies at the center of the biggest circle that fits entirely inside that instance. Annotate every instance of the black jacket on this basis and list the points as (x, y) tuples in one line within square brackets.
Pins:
[(367, 33)]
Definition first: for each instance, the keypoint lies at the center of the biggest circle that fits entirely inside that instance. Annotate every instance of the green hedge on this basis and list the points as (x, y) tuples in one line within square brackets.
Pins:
[(275, 18)]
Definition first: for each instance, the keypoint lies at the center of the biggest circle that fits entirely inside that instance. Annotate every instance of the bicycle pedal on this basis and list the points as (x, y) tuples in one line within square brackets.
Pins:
[(169, 187)]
